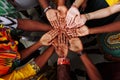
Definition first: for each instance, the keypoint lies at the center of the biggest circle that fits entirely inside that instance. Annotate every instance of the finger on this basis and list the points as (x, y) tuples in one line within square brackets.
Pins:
[(52, 23), (68, 18), (56, 23), (59, 39), (54, 34)]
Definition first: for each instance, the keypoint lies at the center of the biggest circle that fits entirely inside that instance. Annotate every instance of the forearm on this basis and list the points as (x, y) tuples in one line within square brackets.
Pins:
[(78, 3), (61, 2), (44, 3), (113, 27), (104, 12), (93, 73), (43, 58), (31, 25), (26, 52)]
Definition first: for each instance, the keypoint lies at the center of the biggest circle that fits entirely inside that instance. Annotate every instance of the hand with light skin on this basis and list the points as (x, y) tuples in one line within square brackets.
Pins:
[(51, 15), (47, 38), (82, 31), (75, 45), (84, 18), (73, 18), (61, 49), (62, 14), (62, 8)]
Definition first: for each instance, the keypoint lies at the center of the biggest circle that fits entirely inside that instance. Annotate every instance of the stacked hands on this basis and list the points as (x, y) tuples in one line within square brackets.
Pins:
[(67, 25)]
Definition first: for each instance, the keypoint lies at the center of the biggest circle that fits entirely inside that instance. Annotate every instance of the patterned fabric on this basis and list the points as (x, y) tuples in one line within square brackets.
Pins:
[(110, 43), (35, 66), (8, 22), (6, 9), (112, 2), (9, 57), (23, 72)]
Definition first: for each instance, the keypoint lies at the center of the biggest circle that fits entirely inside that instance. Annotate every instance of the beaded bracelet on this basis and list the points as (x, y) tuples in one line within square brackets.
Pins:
[(47, 8), (62, 61)]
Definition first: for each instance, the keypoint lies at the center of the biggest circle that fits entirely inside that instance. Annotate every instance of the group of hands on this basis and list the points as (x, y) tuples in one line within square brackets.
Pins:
[(72, 16), (65, 21)]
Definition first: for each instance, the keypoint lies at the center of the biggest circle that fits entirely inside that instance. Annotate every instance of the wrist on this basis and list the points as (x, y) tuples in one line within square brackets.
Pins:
[(47, 8), (74, 5), (80, 53), (90, 31), (87, 15)]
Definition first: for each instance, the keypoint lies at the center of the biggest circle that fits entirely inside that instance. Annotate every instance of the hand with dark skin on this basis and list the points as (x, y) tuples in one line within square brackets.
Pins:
[(92, 71), (61, 47)]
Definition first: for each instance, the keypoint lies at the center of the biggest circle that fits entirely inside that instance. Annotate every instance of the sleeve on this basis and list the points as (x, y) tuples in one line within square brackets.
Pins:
[(8, 22)]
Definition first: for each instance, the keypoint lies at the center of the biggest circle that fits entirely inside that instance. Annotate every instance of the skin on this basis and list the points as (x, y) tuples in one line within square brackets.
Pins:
[(78, 3), (105, 12), (41, 59), (44, 3), (84, 30), (31, 25), (92, 71), (48, 37), (73, 14), (53, 19), (113, 27)]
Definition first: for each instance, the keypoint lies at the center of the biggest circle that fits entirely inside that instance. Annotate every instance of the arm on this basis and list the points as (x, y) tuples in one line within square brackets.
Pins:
[(113, 27), (43, 58), (61, 2), (78, 3), (92, 71), (44, 40), (24, 24), (84, 30), (73, 18), (44, 3), (53, 19), (62, 8), (104, 12), (31, 25), (26, 52)]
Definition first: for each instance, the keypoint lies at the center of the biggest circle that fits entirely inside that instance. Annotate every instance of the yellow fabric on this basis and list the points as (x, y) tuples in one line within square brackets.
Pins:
[(112, 2), (21, 73), (1, 79), (41, 77)]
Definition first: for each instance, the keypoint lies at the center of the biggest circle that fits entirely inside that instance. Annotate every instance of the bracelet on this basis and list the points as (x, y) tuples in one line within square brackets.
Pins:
[(87, 16), (80, 53), (47, 8), (62, 61)]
